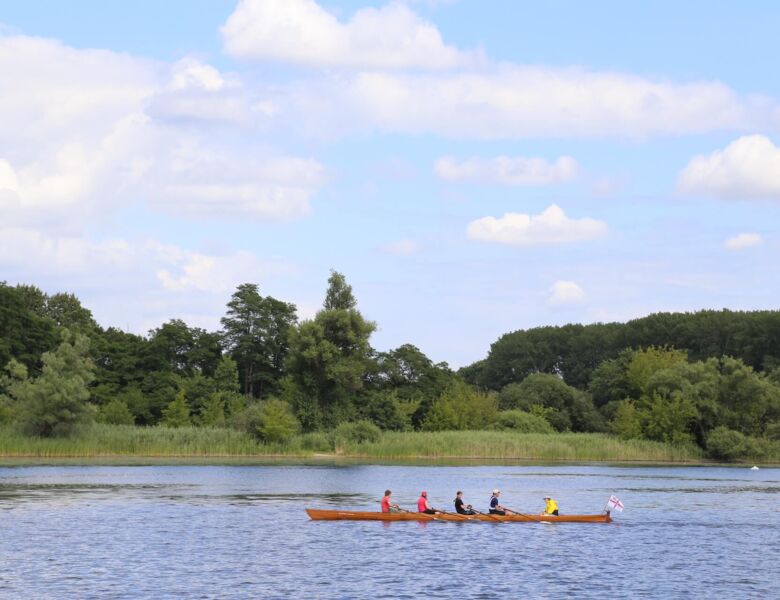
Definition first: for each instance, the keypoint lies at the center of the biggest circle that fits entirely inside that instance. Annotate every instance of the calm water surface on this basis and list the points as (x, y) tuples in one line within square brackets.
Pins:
[(240, 532)]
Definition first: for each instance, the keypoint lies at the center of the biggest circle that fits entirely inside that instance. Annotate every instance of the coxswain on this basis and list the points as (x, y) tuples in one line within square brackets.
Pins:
[(495, 507), (550, 506), (423, 506), (388, 506), (460, 507)]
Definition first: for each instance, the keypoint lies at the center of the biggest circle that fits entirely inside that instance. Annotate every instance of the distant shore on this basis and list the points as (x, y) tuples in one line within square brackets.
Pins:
[(121, 443)]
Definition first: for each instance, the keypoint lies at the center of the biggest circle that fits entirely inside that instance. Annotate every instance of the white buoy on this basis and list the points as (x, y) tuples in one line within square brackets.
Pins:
[(754, 468)]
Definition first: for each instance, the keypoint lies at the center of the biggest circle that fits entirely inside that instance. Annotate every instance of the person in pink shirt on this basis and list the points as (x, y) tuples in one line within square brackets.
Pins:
[(388, 506), (424, 507)]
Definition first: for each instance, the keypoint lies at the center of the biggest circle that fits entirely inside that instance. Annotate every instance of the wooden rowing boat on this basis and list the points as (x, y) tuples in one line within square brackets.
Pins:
[(355, 515)]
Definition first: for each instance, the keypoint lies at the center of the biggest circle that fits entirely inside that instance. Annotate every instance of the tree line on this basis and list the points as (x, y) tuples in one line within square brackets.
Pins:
[(709, 378)]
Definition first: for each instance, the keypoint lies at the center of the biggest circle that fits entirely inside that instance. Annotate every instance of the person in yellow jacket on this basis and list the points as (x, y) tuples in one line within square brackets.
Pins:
[(550, 506)]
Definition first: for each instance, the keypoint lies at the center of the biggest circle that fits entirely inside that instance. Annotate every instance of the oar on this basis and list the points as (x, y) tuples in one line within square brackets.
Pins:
[(455, 514), (492, 517), (519, 514)]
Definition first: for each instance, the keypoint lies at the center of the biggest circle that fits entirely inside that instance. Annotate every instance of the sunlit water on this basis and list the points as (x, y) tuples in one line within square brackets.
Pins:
[(241, 532)]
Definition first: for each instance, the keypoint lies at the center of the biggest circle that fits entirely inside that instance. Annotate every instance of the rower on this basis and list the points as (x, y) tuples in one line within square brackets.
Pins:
[(423, 506), (460, 508), (388, 506), (495, 507), (550, 506)]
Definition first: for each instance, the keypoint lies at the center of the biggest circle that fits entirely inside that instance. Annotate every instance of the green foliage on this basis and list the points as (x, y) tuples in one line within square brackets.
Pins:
[(226, 375), (277, 422), (115, 412), (609, 380), (726, 444), (359, 432), (773, 432), (248, 420), (25, 334), (177, 413), (387, 411), (564, 406), (339, 294), (647, 362), (329, 360), (213, 411), (627, 423), (522, 422), (668, 419), (256, 331), (54, 403), (462, 407)]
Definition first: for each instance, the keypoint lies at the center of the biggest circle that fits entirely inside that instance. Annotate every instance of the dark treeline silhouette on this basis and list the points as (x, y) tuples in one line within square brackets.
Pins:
[(574, 351)]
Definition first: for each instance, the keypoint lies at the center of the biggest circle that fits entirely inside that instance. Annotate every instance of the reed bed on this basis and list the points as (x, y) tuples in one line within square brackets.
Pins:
[(101, 440), (521, 446)]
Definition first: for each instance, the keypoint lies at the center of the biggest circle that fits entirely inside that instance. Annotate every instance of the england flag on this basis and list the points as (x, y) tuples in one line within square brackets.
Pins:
[(615, 503)]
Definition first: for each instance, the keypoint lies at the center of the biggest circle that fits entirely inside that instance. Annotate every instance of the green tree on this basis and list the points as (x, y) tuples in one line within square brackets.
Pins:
[(627, 423), (177, 413), (277, 421), (256, 331), (213, 411), (522, 422), (330, 358), (116, 412), (646, 362), (56, 401), (462, 407)]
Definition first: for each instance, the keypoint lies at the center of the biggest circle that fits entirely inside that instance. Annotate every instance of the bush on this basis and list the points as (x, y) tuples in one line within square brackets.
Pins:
[(727, 444), (522, 422), (116, 413), (317, 442), (357, 432), (462, 407), (277, 422), (773, 432), (248, 420)]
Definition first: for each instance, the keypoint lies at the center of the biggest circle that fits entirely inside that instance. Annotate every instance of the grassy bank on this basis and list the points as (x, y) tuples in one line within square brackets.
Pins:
[(534, 446), (120, 440)]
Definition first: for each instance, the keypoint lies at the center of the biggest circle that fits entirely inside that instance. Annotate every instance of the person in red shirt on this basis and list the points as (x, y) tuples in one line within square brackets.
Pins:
[(423, 506), (388, 506)]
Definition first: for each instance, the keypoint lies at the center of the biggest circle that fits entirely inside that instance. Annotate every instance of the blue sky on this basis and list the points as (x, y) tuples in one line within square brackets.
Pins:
[(473, 168)]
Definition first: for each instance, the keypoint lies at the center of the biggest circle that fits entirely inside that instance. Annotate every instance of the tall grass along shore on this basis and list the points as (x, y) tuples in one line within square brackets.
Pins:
[(100, 440)]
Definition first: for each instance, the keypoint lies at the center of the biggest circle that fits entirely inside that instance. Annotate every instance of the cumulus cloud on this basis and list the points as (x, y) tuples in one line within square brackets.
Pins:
[(512, 101), (507, 170), (86, 132), (75, 259), (748, 167), (302, 32), (743, 240), (565, 294), (403, 247), (551, 227)]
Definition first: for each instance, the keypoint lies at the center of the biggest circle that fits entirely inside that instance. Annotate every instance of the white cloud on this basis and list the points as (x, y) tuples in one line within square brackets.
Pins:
[(171, 268), (507, 170), (86, 132), (403, 247), (743, 240), (551, 227), (565, 294), (302, 32), (748, 167)]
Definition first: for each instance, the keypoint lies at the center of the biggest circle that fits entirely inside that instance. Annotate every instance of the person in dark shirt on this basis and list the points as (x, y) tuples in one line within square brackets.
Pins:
[(495, 507), (460, 507)]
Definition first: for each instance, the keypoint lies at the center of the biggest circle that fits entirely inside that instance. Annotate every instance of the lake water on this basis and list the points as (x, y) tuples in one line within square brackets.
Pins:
[(241, 532)]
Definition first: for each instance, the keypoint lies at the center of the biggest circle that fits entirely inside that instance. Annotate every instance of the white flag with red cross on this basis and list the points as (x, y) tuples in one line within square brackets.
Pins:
[(615, 503)]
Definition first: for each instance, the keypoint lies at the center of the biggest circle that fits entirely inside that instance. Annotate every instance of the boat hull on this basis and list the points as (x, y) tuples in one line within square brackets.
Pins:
[(354, 515)]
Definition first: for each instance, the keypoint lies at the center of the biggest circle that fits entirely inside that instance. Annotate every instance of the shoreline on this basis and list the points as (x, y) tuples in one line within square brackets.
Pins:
[(10, 460)]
